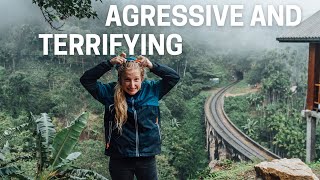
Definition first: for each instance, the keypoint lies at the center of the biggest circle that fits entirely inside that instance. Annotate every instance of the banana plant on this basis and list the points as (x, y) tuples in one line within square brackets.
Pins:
[(53, 152)]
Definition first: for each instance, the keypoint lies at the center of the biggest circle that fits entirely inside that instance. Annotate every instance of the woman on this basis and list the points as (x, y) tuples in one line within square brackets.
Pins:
[(132, 115)]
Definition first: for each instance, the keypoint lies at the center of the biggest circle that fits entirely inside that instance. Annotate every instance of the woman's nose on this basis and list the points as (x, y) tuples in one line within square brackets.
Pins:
[(131, 84)]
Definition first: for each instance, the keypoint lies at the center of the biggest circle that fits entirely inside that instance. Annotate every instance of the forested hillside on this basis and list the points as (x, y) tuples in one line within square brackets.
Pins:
[(271, 115), (31, 84)]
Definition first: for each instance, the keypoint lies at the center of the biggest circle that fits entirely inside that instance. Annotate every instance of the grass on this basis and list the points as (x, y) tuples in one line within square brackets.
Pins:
[(228, 170), (315, 168), (241, 87)]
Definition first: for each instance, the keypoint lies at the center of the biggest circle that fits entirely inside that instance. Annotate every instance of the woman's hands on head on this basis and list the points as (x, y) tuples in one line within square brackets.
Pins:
[(119, 59), (145, 62)]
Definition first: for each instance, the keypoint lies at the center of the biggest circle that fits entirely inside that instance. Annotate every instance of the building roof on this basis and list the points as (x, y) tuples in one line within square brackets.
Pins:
[(307, 31)]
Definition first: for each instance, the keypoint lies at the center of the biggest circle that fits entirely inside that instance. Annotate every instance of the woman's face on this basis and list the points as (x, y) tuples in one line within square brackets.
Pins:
[(131, 81)]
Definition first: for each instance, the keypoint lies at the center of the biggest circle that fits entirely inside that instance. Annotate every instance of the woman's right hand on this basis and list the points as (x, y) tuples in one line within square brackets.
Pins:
[(118, 59)]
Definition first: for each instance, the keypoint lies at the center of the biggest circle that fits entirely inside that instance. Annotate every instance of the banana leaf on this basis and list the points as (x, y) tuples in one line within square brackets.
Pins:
[(8, 170), (71, 157), (66, 139), (45, 135), (12, 171)]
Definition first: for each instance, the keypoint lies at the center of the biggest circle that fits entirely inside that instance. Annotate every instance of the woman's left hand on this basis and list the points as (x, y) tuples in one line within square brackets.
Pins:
[(145, 62)]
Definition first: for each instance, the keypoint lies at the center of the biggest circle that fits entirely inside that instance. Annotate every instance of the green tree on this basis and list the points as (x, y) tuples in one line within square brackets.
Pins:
[(54, 11)]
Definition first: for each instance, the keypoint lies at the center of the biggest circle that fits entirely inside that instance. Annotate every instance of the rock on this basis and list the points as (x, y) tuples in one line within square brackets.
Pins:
[(212, 164), (284, 169)]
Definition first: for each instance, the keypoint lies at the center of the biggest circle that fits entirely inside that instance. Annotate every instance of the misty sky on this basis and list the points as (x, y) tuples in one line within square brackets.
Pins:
[(12, 11), (18, 12), (23, 11)]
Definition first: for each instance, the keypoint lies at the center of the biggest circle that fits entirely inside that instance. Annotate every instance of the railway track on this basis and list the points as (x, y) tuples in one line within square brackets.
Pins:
[(222, 126)]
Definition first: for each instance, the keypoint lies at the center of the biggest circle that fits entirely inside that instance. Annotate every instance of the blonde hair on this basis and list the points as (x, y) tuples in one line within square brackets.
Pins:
[(120, 102)]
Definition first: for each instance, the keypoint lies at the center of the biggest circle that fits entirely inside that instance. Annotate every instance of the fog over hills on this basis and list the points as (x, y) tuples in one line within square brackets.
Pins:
[(224, 38)]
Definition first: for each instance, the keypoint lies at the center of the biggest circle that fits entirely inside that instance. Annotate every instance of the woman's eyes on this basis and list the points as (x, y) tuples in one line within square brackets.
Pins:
[(136, 80)]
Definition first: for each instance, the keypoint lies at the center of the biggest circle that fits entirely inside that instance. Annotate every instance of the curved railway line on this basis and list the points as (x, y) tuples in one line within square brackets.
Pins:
[(241, 145)]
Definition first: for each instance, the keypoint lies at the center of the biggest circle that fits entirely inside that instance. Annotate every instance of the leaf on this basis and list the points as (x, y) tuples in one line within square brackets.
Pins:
[(12, 171), (6, 148), (66, 139), (10, 131), (5, 171), (18, 158), (45, 134), (2, 157), (73, 156)]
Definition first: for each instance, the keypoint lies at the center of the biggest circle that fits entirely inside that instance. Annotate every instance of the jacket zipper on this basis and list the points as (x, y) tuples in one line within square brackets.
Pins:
[(159, 131), (109, 135), (110, 131), (157, 123), (110, 128), (136, 126)]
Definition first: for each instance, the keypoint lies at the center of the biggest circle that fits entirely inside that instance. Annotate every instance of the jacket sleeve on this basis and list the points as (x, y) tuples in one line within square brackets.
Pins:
[(169, 78), (89, 81)]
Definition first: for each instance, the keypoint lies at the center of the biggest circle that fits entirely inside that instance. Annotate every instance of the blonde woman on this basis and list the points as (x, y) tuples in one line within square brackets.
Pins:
[(132, 115)]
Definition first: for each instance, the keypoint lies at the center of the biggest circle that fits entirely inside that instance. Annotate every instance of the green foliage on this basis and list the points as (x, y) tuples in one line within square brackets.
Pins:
[(92, 156), (315, 167), (15, 92), (250, 128), (228, 170), (272, 115), (51, 84), (7, 134), (42, 91), (9, 170), (188, 143), (165, 169), (84, 174), (240, 171), (66, 139), (277, 126), (237, 110), (51, 165), (45, 134), (280, 61), (173, 100), (61, 10), (240, 87)]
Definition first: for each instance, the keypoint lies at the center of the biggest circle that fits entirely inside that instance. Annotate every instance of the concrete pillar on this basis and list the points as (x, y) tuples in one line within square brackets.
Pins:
[(311, 117), (311, 139)]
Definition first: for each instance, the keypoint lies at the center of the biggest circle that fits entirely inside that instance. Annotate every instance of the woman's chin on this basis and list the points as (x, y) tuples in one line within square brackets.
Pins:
[(132, 92)]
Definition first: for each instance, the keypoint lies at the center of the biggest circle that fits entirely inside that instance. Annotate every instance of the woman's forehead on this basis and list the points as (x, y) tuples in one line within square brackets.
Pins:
[(132, 72)]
